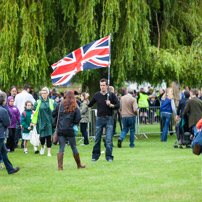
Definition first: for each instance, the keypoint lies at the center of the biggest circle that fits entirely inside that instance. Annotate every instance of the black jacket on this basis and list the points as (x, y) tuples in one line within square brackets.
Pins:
[(181, 106), (66, 121)]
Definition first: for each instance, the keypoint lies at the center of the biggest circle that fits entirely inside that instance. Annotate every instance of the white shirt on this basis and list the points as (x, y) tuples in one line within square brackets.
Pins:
[(21, 98)]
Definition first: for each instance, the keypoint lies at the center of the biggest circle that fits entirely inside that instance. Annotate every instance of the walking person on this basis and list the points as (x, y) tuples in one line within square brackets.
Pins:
[(11, 129), (4, 123), (84, 109), (27, 125), (69, 115), (128, 108), (104, 119), (43, 119), (20, 100), (166, 109)]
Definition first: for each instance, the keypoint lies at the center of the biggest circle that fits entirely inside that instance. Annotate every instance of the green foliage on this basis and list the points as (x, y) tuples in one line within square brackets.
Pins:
[(152, 40)]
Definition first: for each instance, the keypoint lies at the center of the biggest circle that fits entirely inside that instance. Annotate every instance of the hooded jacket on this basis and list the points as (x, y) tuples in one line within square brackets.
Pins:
[(14, 112)]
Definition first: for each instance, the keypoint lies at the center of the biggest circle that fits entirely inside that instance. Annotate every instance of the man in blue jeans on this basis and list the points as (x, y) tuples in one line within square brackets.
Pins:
[(104, 119), (128, 107), (4, 123)]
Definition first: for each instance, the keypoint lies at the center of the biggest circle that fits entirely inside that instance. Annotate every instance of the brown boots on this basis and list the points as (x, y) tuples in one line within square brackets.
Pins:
[(60, 161), (77, 159)]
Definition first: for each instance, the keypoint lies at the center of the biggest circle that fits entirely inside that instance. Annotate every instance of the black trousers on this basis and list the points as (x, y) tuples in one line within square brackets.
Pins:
[(47, 139), (11, 139)]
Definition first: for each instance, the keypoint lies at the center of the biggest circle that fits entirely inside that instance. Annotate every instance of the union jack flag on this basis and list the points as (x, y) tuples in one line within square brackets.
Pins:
[(91, 56)]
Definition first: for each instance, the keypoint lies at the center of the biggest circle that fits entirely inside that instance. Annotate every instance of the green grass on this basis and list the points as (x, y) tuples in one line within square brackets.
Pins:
[(152, 171)]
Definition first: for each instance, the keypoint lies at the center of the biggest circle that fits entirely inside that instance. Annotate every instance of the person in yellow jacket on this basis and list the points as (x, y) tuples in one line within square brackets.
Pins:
[(43, 119), (143, 104)]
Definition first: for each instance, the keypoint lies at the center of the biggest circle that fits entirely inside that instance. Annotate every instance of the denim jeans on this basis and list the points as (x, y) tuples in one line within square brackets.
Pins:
[(72, 142), (1, 159), (3, 151), (195, 130), (128, 123), (166, 118), (83, 127), (100, 123)]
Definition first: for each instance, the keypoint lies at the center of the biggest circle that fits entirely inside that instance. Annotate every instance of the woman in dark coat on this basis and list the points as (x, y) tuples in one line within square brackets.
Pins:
[(69, 115)]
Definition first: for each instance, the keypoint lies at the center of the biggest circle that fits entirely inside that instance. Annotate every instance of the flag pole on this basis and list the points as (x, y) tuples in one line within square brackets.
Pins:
[(109, 66)]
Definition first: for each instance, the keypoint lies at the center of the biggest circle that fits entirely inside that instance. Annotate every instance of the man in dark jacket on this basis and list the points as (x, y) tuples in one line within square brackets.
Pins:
[(193, 107), (104, 119), (180, 109), (4, 123)]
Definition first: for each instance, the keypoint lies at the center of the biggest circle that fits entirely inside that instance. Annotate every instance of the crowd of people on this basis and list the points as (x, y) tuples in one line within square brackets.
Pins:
[(20, 112)]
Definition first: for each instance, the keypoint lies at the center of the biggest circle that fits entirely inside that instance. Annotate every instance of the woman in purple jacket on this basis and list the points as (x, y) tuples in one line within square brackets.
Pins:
[(11, 129)]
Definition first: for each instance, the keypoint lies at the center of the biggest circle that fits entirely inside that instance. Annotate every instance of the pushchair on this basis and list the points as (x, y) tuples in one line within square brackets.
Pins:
[(184, 134)]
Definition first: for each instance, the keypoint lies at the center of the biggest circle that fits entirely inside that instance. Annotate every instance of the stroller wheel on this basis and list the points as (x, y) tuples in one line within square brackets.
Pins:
[(175, 146), (181, 147)]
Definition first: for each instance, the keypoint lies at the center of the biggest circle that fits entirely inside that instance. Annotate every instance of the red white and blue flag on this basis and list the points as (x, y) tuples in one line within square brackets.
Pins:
[(91, 56)]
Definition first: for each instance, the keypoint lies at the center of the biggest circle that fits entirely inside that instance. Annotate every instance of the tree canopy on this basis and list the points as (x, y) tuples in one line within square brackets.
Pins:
[(152, 40)]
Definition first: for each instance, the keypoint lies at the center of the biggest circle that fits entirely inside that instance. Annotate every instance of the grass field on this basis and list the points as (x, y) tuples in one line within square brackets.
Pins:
[(152, 171)]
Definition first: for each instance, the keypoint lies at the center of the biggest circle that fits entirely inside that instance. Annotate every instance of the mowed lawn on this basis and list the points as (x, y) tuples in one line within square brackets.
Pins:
[(152, 171)]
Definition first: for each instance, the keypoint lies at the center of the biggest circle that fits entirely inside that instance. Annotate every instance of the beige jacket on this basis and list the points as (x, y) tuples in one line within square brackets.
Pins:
[(128, 106)]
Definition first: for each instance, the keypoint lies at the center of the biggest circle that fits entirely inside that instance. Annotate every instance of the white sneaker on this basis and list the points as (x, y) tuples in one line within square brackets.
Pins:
[(42, 151), (49, 154), (1, 166)]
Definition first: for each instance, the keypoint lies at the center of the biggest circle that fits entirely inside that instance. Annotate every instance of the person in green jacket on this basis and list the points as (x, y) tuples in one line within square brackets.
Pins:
[(84, 109), (27, 125), (44, 120)]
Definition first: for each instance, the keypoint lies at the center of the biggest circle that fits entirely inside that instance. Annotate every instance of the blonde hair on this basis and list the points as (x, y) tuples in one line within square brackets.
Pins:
[(170, 95), (45, 89)]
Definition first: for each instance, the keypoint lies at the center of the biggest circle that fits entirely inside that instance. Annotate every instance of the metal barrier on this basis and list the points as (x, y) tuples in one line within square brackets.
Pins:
[(148, 121)]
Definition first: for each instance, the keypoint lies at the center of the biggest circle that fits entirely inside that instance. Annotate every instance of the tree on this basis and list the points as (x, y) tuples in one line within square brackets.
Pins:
[(152, 40)]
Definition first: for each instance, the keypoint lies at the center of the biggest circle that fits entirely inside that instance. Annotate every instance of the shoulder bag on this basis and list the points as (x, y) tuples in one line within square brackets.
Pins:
[(55, 138)]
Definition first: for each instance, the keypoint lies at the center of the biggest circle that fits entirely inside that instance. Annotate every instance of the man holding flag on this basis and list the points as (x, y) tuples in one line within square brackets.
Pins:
[(92, 56), (104, 118)]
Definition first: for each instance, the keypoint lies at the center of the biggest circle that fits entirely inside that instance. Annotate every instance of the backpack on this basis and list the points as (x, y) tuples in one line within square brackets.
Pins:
[(24, 113)]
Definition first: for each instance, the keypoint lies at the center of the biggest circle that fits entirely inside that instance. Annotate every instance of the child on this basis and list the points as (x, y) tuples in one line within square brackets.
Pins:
[(27, 125), (11, 129)]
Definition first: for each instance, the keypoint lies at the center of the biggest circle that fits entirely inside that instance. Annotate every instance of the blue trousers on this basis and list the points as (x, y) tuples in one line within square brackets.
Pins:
[(166, 118), (1, 159), (83, 127), (3, 151), (108, 124), (128, 124)]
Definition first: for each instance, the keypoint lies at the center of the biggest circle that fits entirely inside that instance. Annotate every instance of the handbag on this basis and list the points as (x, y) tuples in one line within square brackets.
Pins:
[(55, 137), (34, 137)]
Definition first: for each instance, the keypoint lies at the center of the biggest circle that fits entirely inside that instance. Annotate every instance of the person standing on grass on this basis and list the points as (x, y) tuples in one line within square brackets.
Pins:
[(166, 109), (193, 107), (43, 119), (180, 109), (4, 123), (69, 115), (104, 119), (11, 129), (84, 109), (20, 100), (128, 108), (27, 126)]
